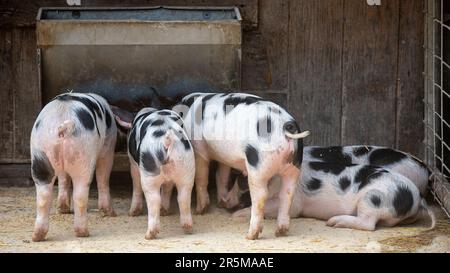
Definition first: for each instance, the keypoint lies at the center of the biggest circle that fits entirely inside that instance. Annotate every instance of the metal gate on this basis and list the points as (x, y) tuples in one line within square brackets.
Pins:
[(437, 98)]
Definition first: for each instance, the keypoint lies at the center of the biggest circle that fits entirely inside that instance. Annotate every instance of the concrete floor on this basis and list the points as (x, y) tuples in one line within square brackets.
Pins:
[(214, 232)]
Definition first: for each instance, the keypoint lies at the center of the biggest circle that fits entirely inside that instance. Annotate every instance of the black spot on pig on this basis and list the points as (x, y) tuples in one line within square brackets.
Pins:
[(252, 155), (149, 163), (143, 129), (344, 183), (37, 124), (41, 169), (234, 100), (403, 201), (189, 101), (161, 155), (314, 184), (91, 104), (157, 122), (384, 157), (108, 119), (85, 119), (332, 155), (327, 167), (375, 200), (366, 175), (141, 117), (205, 100), (159, 133), (132, 146), (164, 113), (363, 150), (264, 127), (186, 143)]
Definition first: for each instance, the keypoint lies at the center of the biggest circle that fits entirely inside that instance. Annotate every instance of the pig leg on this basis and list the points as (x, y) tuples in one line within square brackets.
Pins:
[(184, 189), (137, 198), (201, 184), (103, 171), (44, 193), (289, 181), (166, 193), (81, 184), (222, 176), (152, 186), (64, 193), (258, 193), (366, 219)]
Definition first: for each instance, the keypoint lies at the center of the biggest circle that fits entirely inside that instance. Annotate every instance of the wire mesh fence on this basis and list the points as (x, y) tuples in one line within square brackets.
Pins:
[(437, 98)]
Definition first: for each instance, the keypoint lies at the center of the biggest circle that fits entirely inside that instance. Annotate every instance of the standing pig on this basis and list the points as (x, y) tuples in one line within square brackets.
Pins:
[(351, 196), (73, 137), (160, 156), (252, 135)]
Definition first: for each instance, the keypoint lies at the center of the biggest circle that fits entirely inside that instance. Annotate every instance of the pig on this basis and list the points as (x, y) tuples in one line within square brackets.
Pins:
[(72, 138), (250, 134), (351, 196), (161, 156), (387, 158)]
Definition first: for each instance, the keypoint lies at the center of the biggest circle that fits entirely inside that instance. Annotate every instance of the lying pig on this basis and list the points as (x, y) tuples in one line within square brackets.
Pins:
[(351, 196), (73, 137), (393, 160), (160, 155), (250, 134), (389, 159)]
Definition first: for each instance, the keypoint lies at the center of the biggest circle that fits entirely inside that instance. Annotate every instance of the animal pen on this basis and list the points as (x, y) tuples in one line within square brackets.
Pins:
[(350, 71)]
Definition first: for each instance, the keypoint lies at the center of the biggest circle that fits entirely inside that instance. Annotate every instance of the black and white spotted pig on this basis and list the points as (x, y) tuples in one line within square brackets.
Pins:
[(389, 159), (250, 134), (351, 196), (73, 137), (160, 156)]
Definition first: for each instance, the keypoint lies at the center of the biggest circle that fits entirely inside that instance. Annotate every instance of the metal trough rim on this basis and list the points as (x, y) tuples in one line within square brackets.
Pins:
[(236, 10)]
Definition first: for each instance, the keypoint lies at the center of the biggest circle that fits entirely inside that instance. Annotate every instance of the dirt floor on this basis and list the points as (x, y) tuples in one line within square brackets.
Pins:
[(213, 232)]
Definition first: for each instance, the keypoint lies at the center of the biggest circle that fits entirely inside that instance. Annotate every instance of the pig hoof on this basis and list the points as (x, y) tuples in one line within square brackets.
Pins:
[(221, 204), (187, 228), (135, 212), (109, 212), (164, 212), (81, 232), (281, 231), (252, 236), (151, 234), (39, 235), (201, 210), (64, 209)]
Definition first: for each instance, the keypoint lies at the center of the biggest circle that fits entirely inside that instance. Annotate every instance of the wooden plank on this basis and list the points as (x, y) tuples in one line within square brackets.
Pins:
[(274, 27), (27, 99), (17, 175), (410, 110), (23, 13), (369, 74), (315, 58), (254, 64), (6, 95)]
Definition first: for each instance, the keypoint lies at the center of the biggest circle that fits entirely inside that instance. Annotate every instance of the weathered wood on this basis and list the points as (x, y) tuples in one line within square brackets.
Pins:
[(274, 27), (410, 110), (18, 175), (23, 13), (254, 65), (369, 74), (315, 58), (7, 100), (26, 92)]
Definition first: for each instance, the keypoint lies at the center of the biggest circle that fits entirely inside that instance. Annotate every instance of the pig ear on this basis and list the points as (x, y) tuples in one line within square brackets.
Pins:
[(123, 117)]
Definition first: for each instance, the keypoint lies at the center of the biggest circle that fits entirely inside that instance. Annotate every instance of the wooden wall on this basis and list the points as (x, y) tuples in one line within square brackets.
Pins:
[(351, 73)]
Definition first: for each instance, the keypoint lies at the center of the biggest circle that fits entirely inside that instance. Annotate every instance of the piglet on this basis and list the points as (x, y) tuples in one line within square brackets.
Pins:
[(73, 137), (161, 156)]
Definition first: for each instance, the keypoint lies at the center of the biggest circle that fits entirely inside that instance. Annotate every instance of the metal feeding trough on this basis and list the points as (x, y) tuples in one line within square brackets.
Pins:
[(128, 54)]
